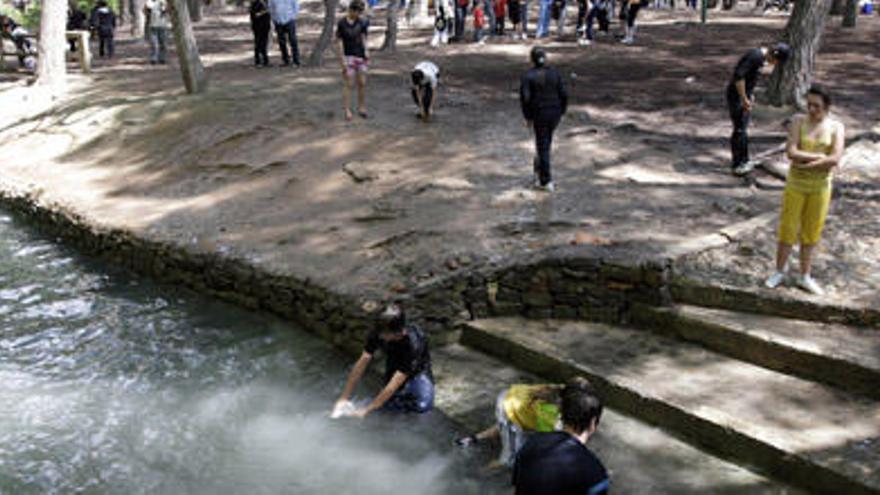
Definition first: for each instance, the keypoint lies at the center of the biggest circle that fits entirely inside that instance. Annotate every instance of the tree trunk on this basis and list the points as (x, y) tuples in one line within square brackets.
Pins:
[(316, 58), (790, 81), (837, 7), (851, 13), (121, 16), (137, 18), (187, 50), (195, 10), (390, 43), (51, 65)]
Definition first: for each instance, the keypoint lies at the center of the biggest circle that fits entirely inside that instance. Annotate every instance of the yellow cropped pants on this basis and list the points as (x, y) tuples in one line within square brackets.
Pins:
[(803, 215)]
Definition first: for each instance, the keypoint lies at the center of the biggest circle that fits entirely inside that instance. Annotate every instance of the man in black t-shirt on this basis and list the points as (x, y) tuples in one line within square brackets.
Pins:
[(409, 381), (354, 56), (740, 99), (560, 462)]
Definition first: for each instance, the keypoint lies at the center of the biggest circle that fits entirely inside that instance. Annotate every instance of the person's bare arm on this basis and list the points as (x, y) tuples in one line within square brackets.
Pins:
[(397, 381), (354, 376), (421, 102), (340, 49), (828, 162), (798, 157), (740, 85)]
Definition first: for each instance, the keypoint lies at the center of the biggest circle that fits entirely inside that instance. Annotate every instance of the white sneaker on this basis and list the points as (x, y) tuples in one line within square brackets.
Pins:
[(807, 283), (775, 280), (548, 187), (743, 169), (627, 41), (584, 42)]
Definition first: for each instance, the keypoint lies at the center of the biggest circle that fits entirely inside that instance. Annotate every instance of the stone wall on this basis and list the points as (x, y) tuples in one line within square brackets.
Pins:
[(581, 282)]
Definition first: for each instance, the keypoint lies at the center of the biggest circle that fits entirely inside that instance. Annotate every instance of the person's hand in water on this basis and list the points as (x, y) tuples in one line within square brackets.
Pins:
[(342, 408)]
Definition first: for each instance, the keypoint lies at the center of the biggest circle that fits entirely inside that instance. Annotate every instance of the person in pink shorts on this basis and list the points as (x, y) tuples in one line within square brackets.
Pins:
[(354, 56)]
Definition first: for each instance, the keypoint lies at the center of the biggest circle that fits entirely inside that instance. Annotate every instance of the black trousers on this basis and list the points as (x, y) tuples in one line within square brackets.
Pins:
[(261, 45), (105, 45), (545, 124), (460, 21), (629, 14), (287, 32), (739, 139), (427, 97)]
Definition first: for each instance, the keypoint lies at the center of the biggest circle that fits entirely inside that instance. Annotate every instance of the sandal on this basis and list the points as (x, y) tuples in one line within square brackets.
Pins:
[(467, 441), (363, 114)]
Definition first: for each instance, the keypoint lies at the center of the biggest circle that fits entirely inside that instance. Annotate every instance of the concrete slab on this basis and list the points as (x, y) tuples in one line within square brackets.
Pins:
[(642, 459), (801, 432), (844, 356)]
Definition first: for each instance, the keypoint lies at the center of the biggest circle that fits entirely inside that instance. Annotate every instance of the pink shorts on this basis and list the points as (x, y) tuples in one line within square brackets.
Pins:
[(355, 65)]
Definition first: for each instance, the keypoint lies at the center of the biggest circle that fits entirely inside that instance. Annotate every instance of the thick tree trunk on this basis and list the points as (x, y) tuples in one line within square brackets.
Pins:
[(791, 80), (195, 10), (316, 58), (187, 50), (51, 65), (837, 7), (137, 18), (390, 43), (851, 13)]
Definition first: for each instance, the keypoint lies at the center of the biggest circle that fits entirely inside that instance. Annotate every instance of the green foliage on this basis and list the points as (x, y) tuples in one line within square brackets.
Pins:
[(30, 19)]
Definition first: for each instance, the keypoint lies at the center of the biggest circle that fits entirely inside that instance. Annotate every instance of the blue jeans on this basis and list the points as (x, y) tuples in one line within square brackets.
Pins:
[(416, 395), (158, 37), (544, 19), (287, 32), (524, 15)]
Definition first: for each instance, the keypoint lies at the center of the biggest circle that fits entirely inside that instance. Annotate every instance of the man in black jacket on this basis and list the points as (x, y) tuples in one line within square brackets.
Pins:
[(544, 100), (261, 25)]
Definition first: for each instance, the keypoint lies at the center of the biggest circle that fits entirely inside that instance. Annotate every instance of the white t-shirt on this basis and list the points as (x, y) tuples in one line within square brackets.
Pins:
[(431, 72), (158, 13)]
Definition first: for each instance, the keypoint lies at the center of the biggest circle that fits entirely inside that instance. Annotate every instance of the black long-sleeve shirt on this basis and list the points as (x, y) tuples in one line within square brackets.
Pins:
[(748, 69), (542, 90)]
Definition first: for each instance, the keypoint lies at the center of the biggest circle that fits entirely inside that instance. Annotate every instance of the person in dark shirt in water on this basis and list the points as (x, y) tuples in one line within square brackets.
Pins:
[(560, 462), (740, 99), (409, 381)]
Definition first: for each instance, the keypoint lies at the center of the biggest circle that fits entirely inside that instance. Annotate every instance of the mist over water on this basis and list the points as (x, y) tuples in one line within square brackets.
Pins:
[(112, 384)]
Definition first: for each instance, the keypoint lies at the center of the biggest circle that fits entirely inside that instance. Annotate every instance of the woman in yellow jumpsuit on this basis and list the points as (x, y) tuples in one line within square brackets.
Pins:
[(815, 147)]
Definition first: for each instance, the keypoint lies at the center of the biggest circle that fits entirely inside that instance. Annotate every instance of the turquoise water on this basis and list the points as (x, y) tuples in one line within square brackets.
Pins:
[(112, 384)]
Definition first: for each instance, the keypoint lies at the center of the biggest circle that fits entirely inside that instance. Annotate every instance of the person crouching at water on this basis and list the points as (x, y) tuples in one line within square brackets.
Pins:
[(520, 411), (560, 462), (543, 100), (351, 31), (815, 147), (409, 382), (425, 77)]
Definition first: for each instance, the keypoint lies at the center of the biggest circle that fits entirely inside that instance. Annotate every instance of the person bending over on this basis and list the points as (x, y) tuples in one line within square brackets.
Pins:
[(425, 77), (740, 99), (560, 462), (520, 411), (543, 100), (815, 147), (409, 382), (351, 31)]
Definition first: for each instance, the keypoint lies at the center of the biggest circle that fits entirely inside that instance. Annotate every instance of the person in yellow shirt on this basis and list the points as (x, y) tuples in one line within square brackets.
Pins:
[(815, 148), (520, 410)]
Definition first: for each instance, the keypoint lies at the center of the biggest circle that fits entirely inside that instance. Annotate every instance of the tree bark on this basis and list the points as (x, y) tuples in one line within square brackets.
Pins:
[(851, 13), (390, 42), (195, 10), (51, 65), (191, 68), (137, 18), (316, 58), (790, 81)]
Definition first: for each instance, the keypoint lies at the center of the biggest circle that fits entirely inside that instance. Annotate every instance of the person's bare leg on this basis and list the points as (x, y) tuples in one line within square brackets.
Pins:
[(490, 432), (362, 92), (806, 253), (346, 95), (783, 251)]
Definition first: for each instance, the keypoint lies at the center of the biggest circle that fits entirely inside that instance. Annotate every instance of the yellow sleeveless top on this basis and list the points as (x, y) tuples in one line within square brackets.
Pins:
[(811, 181)]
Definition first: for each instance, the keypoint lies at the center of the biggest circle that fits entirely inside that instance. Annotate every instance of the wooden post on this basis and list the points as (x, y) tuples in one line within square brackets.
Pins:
[(187, 50)]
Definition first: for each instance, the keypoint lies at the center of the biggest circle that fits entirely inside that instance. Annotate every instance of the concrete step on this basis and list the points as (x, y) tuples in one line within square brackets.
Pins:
[(642, 459), (843, 356), (771, 302), (801, 432)]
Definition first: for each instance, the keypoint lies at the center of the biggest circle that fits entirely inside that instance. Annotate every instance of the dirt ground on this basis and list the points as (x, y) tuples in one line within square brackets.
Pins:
[(263, 166)]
